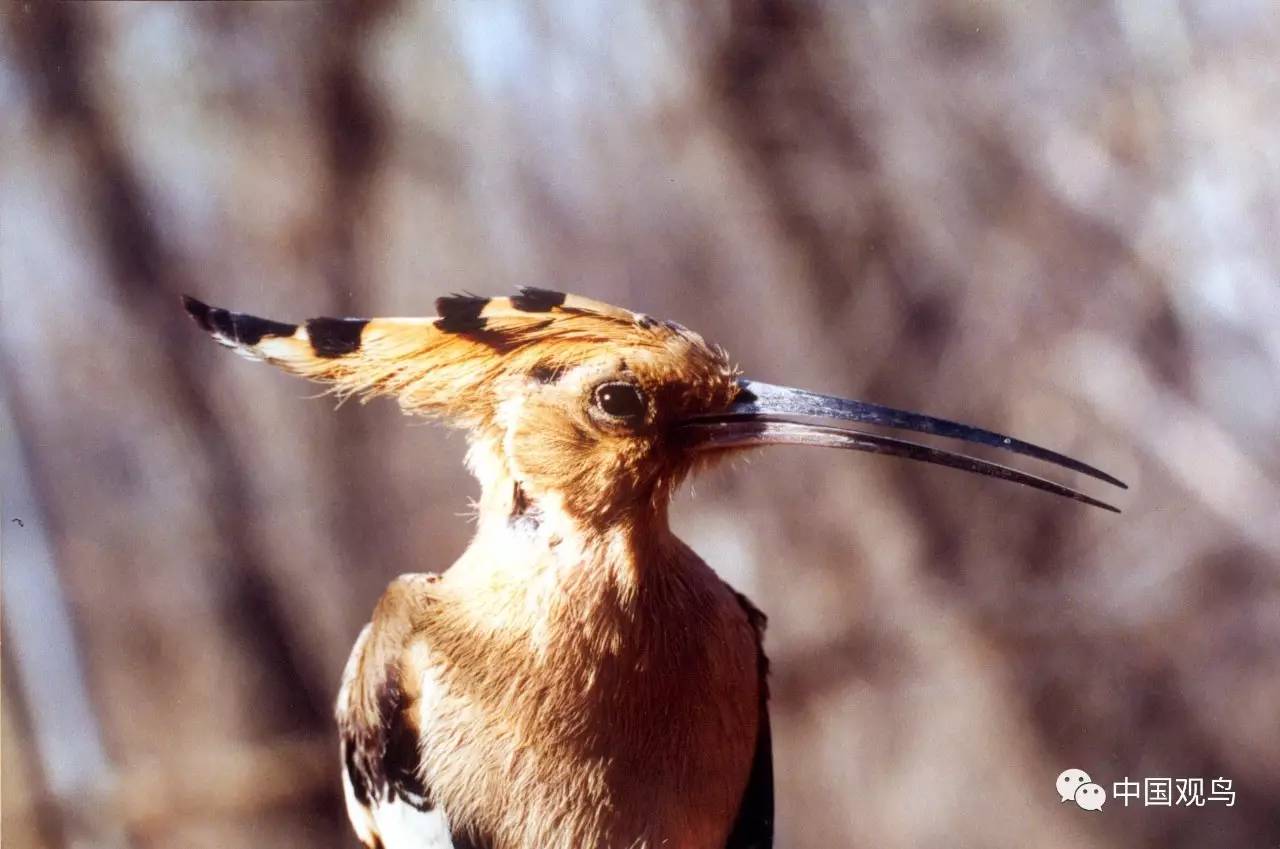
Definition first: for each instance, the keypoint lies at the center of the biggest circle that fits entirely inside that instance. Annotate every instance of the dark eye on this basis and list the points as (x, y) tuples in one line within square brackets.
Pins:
[(620, 400)]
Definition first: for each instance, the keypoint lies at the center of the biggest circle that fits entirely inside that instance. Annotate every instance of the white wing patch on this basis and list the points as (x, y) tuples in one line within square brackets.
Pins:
[(362, 819), (395, 824), (401, 826)]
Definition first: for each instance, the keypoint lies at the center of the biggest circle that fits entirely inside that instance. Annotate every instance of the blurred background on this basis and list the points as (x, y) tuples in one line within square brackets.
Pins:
[(1055, 220)]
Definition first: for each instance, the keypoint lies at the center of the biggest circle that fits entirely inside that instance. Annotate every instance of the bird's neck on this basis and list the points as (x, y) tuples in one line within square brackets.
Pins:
[(523, 530), (539, 578)]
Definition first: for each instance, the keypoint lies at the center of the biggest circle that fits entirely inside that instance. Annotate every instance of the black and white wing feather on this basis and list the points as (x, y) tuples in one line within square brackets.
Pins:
[(389, 804)]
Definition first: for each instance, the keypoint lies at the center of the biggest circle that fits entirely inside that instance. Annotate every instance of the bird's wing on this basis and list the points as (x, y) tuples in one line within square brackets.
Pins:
[(389, 804), (753, 828)]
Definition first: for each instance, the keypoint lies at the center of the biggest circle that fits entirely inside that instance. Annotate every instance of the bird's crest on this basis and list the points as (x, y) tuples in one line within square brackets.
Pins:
[(437, 365)]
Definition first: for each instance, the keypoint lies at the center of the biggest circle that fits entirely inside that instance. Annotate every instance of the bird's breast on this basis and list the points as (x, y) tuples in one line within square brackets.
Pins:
[(608, 727)]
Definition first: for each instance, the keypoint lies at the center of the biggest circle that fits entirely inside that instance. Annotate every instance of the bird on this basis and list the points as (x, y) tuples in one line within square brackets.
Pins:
[(579, 678)]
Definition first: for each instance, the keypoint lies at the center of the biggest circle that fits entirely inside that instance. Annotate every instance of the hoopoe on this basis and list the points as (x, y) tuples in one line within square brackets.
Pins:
[(579, 678)]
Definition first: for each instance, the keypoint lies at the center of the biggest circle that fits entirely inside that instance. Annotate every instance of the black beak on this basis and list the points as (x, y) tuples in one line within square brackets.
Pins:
[(764, 414)]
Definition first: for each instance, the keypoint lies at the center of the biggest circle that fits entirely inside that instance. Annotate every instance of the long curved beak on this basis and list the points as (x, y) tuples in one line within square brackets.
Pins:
[(764, 414)]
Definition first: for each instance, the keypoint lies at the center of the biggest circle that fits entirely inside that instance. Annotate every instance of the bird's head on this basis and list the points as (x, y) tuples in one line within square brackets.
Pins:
[(602, 409)]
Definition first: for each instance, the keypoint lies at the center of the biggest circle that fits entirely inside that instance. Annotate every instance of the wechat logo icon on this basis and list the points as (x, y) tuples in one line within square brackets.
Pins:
[(1074, 785)]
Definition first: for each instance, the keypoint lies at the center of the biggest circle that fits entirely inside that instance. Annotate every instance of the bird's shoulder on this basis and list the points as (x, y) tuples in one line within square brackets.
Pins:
[(388, 802)]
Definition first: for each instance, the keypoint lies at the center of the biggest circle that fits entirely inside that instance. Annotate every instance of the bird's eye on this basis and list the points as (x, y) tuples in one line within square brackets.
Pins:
[(620, 400)]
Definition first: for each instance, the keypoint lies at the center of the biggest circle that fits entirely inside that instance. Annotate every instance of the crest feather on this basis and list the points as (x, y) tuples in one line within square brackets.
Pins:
[(442, 365)]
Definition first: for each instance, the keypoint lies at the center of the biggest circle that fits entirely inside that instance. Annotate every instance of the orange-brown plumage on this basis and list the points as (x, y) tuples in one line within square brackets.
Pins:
[(579, 677)]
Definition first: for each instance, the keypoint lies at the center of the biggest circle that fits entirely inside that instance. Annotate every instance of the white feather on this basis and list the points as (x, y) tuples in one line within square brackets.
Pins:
[(402, 826)]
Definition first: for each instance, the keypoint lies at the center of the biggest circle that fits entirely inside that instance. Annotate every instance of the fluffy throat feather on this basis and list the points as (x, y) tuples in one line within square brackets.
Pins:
[(529, 534), (538, 586)]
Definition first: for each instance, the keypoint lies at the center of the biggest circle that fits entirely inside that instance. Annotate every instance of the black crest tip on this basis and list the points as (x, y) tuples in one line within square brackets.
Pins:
[(199, 311), (234, 327)]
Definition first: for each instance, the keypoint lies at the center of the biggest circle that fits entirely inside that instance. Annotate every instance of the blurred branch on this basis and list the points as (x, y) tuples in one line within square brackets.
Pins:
[(54, 45), (228, 782), (66, 737), (1194, 449)]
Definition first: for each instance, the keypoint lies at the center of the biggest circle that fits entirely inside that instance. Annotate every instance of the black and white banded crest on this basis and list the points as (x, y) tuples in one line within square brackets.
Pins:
[(449, 365)]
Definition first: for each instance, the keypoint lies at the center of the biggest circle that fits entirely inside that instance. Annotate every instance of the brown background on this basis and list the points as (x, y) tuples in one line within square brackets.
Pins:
[(1058, 220)]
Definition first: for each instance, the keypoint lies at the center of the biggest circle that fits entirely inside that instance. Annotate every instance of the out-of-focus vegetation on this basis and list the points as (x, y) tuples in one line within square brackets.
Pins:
[(1056, 220)]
